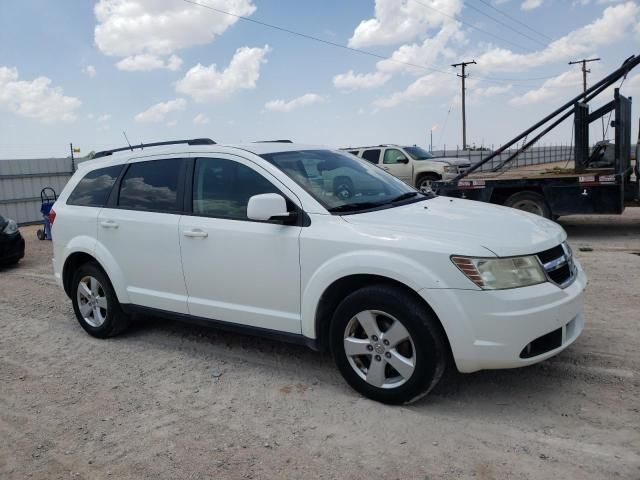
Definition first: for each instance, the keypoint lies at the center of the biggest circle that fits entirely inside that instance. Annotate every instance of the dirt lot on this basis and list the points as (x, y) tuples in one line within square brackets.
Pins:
[(172, 401)]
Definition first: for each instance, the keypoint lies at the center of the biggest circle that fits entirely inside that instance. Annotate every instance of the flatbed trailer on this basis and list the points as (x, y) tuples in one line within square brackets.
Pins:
[(604, 180)]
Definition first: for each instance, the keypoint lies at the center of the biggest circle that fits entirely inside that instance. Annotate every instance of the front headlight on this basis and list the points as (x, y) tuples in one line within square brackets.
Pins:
[(10, 228), (450, 169), (501, 273)]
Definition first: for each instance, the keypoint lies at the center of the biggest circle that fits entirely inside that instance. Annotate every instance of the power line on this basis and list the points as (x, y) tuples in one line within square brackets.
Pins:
[(504, 24), (505, 14), (352, 49), (473, 26)]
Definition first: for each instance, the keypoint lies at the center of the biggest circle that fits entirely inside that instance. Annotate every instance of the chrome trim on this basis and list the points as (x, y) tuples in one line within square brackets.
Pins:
[(566, 259)]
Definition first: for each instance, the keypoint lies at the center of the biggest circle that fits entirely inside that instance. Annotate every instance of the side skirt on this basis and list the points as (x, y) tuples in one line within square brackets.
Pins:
[(226, 326)]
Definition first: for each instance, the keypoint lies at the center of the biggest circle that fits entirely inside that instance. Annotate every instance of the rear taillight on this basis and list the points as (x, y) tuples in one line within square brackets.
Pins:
[(52, 216)]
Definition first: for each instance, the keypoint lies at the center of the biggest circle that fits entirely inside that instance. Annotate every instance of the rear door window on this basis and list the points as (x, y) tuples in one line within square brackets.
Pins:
[(152, 185), (93, 190), (372, 156)]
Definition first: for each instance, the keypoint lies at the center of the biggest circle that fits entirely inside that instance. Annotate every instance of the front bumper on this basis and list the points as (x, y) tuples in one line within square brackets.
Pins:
[(11, 248), (495, 329)]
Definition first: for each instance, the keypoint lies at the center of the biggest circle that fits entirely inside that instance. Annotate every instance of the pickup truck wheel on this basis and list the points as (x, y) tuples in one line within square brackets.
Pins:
[(387, 345), (529, 202), (423, 184), (95, 303), (343, 188)]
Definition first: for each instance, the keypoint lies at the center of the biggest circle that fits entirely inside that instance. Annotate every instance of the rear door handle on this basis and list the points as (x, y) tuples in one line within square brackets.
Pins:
[(195, 234), (108, 224), (385, 168)]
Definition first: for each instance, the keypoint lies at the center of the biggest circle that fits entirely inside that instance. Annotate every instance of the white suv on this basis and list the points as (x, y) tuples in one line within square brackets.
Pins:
[(413, 165), (249, 237)]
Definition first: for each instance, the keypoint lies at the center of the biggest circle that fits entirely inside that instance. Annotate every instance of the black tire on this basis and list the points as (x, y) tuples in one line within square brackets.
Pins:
[(531, 202), (426, 178), (429, 347), (115, 321), (343, 188)]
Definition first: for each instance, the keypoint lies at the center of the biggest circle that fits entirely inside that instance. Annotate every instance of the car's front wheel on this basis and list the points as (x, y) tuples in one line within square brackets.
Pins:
[(95, 303), (387, 344)]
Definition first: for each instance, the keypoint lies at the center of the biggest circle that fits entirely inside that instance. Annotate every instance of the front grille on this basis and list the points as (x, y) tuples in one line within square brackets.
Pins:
[(558, 264), (551, 254), (560, 275)]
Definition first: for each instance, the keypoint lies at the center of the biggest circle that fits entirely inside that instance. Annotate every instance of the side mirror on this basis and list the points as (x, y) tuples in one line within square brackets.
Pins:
[(404, 160), (268, 206)]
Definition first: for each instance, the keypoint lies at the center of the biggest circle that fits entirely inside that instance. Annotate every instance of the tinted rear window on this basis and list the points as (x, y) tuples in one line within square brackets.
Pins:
[(93, 190), (372, 156), (151, 185)]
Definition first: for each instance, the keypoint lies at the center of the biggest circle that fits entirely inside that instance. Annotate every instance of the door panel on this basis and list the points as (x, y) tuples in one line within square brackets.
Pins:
[(146, 243), (237, 270), (403, 171)]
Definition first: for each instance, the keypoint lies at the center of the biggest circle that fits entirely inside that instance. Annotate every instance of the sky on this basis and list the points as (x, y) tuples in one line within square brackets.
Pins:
[(83, 72)]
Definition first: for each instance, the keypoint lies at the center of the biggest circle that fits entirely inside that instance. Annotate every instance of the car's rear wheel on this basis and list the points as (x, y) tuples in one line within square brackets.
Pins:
[(387, 345), (95, 303)]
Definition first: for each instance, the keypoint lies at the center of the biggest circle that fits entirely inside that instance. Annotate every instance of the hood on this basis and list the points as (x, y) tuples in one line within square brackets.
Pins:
[(502, 230), (452, 160)]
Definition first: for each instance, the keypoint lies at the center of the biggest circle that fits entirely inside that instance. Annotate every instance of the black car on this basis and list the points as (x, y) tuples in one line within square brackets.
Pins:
[(11, 242)]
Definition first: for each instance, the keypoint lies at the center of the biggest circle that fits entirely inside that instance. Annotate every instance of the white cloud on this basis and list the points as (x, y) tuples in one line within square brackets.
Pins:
[(90, 71), (172, 123), (200, 119), (425, 54), (616, 24), (128, 28), (103, 118), (36, 98), (401, 20), (554, 88), (158, 112), (299, 102), (491, 91), (353, 81), (209, 84), (530, 4), (423, 87), (149, 61)]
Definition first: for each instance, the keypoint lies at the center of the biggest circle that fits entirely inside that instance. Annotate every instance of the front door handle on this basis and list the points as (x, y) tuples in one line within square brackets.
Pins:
[(195, 234), (385, 168), (108, 224)]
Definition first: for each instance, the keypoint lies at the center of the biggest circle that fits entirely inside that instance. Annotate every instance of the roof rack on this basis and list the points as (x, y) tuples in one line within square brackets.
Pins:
[(142, 146), (273, 141)]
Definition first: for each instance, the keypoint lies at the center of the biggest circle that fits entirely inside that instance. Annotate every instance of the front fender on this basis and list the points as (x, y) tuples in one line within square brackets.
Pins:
[(372, 262)]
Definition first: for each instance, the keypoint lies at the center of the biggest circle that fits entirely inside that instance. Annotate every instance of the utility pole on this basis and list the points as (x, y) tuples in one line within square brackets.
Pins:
[(73, 165), (584, 70), (464, 114)]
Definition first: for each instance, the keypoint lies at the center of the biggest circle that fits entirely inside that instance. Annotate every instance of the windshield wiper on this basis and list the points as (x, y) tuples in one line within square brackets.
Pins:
[(350, 207), (405, 196)]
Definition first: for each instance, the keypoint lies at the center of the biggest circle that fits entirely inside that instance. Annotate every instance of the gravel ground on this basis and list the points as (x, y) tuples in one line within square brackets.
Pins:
[(168, 400)]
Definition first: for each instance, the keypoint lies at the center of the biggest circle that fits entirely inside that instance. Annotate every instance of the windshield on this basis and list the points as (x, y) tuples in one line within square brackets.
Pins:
[(342, 182), (418, 153)]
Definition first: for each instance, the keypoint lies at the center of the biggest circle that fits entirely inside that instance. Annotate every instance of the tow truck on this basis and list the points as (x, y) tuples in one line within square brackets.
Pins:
[(599, 180)]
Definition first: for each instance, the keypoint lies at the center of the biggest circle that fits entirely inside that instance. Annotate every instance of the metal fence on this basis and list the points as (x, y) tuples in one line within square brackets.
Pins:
[(22, 180), (534, 156)]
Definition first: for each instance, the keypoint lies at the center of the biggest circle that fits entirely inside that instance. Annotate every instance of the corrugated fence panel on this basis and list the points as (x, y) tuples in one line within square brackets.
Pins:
[(22, 180)]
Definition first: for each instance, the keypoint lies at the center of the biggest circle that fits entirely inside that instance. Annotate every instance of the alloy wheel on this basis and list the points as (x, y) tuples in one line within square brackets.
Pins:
[(379, 349), (92, 301)]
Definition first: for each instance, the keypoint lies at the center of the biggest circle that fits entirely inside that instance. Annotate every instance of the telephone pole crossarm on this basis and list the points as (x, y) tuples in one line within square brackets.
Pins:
[(584, 69)]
